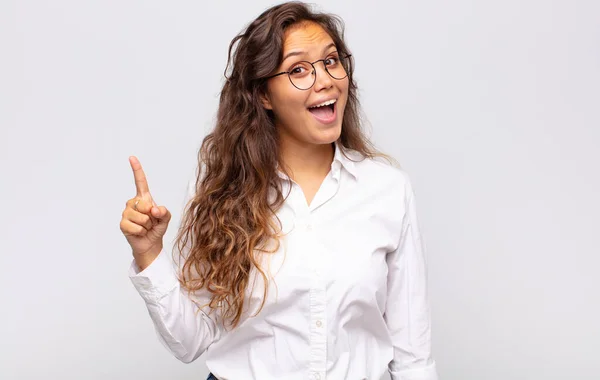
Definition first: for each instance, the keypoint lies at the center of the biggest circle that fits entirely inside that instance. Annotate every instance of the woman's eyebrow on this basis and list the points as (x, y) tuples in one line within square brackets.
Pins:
[(302, 52)]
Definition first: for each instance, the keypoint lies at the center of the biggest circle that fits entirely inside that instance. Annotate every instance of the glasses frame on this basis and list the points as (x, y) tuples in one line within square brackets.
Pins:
[(347, 56)]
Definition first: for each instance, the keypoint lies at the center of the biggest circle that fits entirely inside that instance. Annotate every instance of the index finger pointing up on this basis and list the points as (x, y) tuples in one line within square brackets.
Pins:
[(141, 185)]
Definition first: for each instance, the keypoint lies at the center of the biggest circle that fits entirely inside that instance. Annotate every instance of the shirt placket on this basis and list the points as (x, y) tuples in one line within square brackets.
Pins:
[(318, 294), (318, 322)]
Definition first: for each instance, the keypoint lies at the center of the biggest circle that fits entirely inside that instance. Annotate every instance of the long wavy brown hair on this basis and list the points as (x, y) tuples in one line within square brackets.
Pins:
[(231, 220)]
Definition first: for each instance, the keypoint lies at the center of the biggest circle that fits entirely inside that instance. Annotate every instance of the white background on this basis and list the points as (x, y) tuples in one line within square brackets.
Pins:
[(492, 107)]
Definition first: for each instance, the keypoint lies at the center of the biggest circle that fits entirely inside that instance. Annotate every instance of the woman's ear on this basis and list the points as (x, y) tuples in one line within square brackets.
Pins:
[(266, 102)]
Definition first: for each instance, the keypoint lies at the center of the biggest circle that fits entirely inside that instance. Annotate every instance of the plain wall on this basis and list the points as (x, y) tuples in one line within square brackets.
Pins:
[(492, 107)]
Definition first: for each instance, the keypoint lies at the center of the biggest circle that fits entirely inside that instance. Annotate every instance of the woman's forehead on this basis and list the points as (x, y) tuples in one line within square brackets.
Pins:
[(307, 37)]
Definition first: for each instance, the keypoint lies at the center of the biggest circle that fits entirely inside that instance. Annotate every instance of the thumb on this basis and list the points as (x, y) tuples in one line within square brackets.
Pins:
[(161, 213)]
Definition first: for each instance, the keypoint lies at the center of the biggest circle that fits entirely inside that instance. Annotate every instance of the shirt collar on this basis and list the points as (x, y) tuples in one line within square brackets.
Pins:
[(344, 161)]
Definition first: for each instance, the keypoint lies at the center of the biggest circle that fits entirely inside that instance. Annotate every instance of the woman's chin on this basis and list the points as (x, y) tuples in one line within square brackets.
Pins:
[(328, 135)]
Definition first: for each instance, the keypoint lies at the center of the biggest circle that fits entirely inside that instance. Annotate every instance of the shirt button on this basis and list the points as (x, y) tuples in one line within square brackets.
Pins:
[(317, 376), (309, 227), (319, 324)]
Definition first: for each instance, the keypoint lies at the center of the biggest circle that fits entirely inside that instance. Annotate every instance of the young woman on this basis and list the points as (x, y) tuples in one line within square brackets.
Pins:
[(300, 255)]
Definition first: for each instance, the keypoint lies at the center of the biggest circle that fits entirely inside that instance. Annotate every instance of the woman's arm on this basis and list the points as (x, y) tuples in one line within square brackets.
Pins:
[(181, 327), (407, 311)]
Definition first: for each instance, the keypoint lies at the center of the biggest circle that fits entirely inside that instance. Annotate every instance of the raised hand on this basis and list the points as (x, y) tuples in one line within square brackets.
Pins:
[(143, 222)]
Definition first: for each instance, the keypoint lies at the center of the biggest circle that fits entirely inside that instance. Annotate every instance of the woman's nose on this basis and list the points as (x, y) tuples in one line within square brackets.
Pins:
[(323, 79)]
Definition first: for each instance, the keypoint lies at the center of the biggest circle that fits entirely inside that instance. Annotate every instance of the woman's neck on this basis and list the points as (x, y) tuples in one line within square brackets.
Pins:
[(307, 160)]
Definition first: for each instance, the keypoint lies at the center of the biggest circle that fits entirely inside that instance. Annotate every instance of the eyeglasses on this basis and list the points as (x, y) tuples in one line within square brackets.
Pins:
[(303, 74)]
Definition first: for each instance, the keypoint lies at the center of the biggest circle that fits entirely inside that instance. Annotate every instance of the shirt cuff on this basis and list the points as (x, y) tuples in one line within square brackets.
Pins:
[(424, 373), (156, 280)]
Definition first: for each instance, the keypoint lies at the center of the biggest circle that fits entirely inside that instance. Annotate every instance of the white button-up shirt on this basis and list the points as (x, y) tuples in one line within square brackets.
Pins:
[(347, 297)]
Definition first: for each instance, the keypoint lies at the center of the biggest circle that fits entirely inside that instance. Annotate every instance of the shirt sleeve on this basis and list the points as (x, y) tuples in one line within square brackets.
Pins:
[(407, 311), (183, 328)]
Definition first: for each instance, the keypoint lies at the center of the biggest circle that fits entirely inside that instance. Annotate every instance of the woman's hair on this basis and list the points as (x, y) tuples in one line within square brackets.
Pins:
[(232, 216)]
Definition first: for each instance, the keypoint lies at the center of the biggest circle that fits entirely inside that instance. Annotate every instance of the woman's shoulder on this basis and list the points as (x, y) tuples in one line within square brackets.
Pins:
[(382, 185), (379, 168)]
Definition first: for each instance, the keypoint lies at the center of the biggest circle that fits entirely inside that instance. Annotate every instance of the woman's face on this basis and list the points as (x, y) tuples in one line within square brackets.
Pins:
[(296, 117)]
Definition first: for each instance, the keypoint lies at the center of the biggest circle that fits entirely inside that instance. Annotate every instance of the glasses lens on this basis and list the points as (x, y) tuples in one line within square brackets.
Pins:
[(301, 75), (337, 66)]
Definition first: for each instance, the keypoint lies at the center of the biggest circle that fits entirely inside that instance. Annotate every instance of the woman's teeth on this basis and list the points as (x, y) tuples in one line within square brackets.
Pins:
[(329, 102)]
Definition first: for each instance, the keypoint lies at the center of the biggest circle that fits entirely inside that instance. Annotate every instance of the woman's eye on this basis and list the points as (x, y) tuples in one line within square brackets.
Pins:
[(331, 61), (299, 70)]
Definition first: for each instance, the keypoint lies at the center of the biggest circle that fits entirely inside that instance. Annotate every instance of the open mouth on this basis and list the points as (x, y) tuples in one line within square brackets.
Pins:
[(326, 112)]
